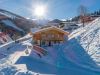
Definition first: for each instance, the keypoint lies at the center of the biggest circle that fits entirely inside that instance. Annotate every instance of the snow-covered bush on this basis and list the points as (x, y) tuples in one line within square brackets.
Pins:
[(10, 70)]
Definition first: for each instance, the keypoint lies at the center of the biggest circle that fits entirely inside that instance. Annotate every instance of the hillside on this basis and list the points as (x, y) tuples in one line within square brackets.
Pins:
[(19, 21), (89, 38)]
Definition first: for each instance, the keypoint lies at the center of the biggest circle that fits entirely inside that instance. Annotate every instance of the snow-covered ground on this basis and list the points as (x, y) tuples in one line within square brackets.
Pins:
[(80, 55), (89, 38)]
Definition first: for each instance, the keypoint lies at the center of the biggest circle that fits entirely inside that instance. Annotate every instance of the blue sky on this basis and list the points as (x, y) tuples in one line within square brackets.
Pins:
[(61, 9)]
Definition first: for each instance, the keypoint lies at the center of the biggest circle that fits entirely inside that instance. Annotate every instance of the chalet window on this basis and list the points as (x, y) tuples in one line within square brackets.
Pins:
[(53, 35), (43, 35), (49, 36), (58, 35)]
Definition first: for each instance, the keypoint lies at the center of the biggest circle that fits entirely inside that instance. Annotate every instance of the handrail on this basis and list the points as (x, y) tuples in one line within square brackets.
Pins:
[(40, 50)]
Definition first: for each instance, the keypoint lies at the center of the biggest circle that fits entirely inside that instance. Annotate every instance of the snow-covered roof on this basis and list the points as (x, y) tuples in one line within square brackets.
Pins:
[(36, 30), (11, 24)]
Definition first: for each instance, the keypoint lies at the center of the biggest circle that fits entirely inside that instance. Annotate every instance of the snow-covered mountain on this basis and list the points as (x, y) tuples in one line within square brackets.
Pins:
[(10, 23), (19, 21), (41, 21), (8, 27), (46, 22), (56, 21)]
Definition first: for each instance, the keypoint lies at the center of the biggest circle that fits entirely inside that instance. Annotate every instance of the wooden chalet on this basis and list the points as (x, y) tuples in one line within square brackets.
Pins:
[(49, 36)]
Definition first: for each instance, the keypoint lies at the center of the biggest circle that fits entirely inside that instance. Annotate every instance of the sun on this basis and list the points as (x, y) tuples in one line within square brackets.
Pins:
[(40, 11)]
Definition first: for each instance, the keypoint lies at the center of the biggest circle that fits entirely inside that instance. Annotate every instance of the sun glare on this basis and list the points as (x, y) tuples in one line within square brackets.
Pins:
[(40, 11)]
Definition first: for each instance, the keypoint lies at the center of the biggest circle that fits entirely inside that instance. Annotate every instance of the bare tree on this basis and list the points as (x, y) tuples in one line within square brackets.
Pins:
[(82, 10)]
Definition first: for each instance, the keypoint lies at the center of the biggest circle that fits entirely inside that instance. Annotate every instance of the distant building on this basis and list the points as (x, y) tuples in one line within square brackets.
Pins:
[(70, 26), (88, 19), (49, 36)]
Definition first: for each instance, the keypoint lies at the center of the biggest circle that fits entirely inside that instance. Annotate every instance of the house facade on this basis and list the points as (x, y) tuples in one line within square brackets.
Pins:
[(49, 36)]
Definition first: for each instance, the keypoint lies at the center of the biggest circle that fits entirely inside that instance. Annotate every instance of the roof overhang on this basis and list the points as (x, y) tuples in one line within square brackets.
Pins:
[(51, 28)]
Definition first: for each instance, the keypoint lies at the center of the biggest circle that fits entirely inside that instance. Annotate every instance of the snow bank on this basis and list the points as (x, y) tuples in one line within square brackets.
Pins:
[(90, 39)]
